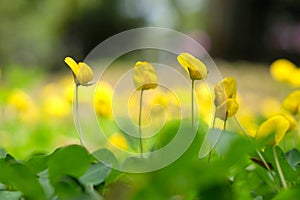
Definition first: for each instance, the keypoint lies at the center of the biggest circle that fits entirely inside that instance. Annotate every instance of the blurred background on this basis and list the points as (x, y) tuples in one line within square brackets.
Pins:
[(41, 33), (36, 87)]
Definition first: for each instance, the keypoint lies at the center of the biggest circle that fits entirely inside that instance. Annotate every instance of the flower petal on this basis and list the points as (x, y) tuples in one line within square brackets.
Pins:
[(73, 65), (292, 102), (225, 90), (228, 109), (85, 74), (282, 69), (277, 126), (196, 69), (144, 76)]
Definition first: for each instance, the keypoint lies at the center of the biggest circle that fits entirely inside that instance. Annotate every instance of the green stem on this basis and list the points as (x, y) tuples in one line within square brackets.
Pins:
[(140, 123), (192, 94), (283, 181), (295, 138), (241, 127), (268, 168), (210, 149), (77, 115), (257, 151), (225, 121)]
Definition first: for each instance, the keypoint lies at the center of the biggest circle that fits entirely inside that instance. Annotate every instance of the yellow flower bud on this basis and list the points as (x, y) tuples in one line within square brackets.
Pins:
[(144, 76), (291, 102), (82, 73), (225, 94), (196, 69), (282, 69), (228, 109), (276, 126), (291, 119), (225, 90)]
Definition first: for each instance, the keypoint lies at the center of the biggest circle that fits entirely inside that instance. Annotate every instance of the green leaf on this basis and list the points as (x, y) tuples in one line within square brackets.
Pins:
[(71, 160), (107, 157), (68, 187), (293, 193), (293, 158), (37, 163), (10, 195), (239, 148), (45, 183), (95, 175), (20, 177), (289, 173), (2, 153)]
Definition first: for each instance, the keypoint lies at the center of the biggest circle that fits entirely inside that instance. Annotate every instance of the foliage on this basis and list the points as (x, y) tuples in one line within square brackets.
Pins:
[(260, 165)]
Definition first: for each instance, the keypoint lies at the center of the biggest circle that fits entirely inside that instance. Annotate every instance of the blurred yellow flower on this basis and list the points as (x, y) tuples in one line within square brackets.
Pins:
[(103, 99), (291, 119), (225, 102), (275, 127), (162, 99), (21, 103), (285, 71), (54, 102), (20, 100), (82, 73), (119, 141), (196, 69), (56, 106), (144, 76), (282, 70), (163, 104), (295, 78), (203, 94), (291, 102), (67, 88)]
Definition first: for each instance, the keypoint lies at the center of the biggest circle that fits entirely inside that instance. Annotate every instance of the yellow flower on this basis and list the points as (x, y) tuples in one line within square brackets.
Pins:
[(56, 106), (82, 73), (275, 127), (23, 106), (203, 95), (225, 90), (291, 119), (225, 94), (228, 109), (103, 99), (295, 78), (20, 100), (291, 102), (118, 140), (196, 69), (282, 70), (144, 76)]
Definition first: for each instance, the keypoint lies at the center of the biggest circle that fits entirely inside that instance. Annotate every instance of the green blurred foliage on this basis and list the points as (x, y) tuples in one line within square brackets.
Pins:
[(42, 33)]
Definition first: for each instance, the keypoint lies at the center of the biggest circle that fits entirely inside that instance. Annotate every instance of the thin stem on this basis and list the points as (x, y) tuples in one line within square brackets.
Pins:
[(192, 93), (210, 149), (268, 168), (257, 151), (225, 121), (295, 138), (77, 115), (140, 123), (241, 127), (283, 181)]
